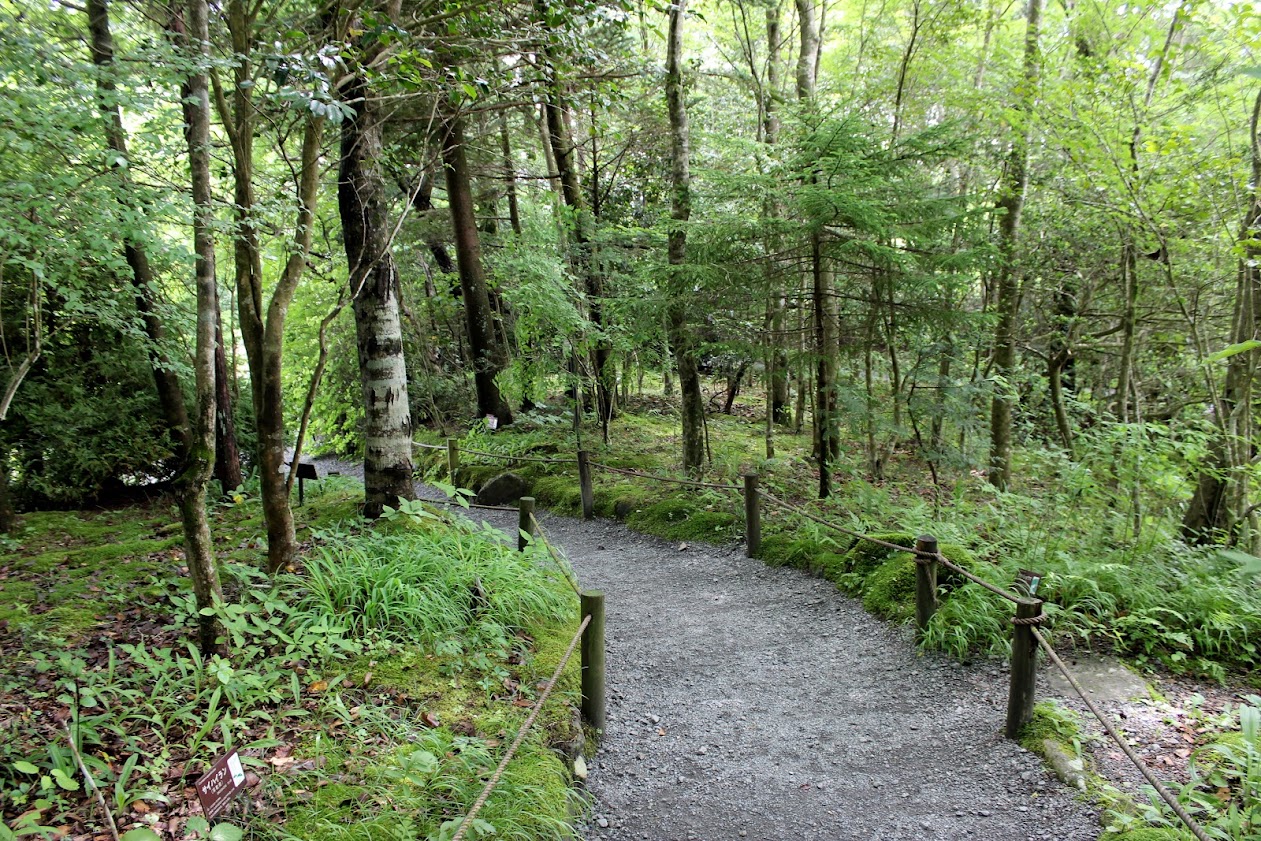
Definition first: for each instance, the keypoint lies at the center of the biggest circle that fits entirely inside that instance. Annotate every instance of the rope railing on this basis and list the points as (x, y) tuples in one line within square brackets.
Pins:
[(692, 483), (561, 562), (1031, 623), (521, 734), (1160, 788), (996, 590), (506, 457)]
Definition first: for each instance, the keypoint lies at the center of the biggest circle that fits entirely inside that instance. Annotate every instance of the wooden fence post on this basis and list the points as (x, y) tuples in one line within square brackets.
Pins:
[(592, 604), (525, 522), (1024, 664), (584, 486), (453, 459), (752, 516), (925, 580)]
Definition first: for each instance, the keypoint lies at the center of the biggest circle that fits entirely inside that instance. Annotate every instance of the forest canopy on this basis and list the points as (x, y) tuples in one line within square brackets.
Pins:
[(942, 231)]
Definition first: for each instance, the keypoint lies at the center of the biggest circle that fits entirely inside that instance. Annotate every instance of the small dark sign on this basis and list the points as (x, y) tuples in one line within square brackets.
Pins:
[(217, 787)]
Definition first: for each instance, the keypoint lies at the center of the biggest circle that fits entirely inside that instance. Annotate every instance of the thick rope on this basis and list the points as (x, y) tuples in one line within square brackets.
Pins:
[(796, 509), (939, 558), (1107, 725), (688, 482), (516, 458), (996, 590), (558, 559), (516, 743), (471, 505)]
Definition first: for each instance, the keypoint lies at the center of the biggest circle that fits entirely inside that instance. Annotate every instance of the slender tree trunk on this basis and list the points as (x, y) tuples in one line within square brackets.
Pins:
[(198, 546), (1011, 203), (195, 438), (824, 318), (479, 319), (1129, 322), (1219, 504), (227, 454), (510, 174), (564, 155), (262, 325), (681, 337), (374, 294), (778, 357)]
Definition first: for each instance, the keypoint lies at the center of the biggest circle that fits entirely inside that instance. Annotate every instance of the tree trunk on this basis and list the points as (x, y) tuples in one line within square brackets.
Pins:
[(824, 319), (387, 461), (1220, 500), (778, 357), (195, 443), (191, 486), (227, 454), (1011, 203), (479, 319), (681, 337), (262, 329), (510, 174), (564, 153)]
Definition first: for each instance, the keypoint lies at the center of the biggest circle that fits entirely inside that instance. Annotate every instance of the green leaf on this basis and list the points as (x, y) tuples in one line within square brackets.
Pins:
[(1248, 564), (1232, 350), (226, 832), (64, 780), (25, 767), (141, 834)]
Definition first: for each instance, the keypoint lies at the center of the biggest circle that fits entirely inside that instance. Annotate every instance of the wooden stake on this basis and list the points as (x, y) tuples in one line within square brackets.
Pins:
[(525, 522), (584, 485), (1024, 664), (592, 604), (453, 459), (925, 580), (752, 516)]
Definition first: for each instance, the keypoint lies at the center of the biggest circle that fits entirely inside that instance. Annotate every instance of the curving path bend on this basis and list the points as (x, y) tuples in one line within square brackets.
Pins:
[(747, 702)]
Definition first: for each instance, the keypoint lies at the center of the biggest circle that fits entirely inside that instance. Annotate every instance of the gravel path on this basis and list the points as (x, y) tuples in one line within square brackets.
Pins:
[(760, 703)]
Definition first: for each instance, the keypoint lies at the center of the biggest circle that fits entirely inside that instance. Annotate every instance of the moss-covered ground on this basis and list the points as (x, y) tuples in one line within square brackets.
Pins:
[(343, 737)]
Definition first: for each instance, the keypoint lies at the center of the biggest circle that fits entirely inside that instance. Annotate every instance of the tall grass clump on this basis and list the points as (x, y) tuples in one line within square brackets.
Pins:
[(428, 587)]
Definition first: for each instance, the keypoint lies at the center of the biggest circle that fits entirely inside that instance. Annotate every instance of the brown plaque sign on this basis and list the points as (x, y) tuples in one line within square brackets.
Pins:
[(217, 787)]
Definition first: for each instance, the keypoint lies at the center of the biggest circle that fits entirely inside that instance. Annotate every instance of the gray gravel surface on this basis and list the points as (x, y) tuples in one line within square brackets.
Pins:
[(760, 703)]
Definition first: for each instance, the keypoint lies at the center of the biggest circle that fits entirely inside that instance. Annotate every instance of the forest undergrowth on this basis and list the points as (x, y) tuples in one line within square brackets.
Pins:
[(370, 692)]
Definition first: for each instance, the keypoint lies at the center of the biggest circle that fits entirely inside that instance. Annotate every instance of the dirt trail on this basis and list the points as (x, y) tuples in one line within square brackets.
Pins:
[(760, 703), (749, 702)]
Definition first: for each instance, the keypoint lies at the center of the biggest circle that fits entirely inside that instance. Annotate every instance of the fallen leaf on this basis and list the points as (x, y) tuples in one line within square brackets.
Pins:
[(367, 678), (429, 719)]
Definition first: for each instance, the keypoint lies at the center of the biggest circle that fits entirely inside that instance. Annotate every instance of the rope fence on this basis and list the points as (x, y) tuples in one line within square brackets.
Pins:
[(525, 728), (692, 483), (557, 558), (1027, 639), (1160, 788)]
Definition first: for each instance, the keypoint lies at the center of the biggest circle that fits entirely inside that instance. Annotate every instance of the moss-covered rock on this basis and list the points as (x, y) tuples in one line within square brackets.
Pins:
[(865, 556), (889, 591)]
